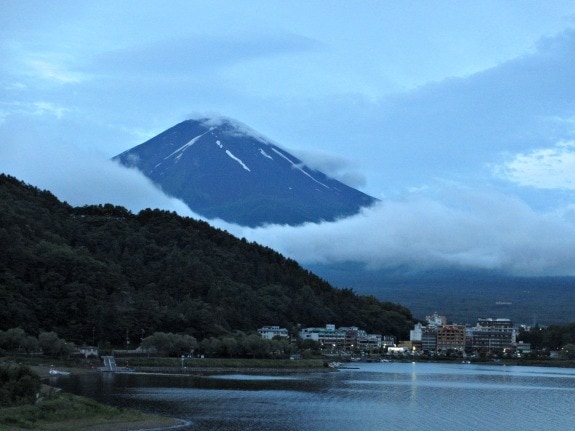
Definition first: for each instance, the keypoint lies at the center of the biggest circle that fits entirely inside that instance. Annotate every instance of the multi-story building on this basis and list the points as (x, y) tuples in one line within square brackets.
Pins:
[(328, 336), (491, 334), (345, 338), (451, 337), (488, 334), (387, 340), (269, 332), (369, 342), (429, 340), (416, 333)]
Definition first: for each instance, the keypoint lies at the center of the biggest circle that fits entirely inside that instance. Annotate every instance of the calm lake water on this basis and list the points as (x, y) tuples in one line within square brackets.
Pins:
[(382, 396)]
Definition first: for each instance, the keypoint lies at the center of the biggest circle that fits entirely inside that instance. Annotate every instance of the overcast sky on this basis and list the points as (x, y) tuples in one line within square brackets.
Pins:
[(459, 116)]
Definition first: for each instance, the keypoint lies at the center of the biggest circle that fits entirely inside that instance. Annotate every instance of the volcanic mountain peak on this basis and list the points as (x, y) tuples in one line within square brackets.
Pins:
[(221, 168)]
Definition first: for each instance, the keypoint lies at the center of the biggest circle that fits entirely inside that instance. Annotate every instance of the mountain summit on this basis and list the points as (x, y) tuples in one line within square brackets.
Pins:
[(223, 169)]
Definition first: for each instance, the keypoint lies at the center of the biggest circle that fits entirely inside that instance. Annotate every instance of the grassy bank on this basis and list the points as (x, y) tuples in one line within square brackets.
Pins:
[(221, 363), (67, 412)]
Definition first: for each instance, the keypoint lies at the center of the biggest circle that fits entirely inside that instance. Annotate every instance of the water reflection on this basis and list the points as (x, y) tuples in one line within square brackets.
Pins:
[(372, 397)]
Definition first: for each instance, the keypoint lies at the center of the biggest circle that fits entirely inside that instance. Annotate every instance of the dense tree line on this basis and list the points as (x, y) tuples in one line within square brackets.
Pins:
[(99, 273), (553, 337), (17, 341), (236, 344)]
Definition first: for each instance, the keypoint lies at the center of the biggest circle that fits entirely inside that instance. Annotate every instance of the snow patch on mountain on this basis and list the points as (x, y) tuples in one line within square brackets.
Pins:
[(229, 153), (298, 167), (184, 147), (191, 175), (263, 153)]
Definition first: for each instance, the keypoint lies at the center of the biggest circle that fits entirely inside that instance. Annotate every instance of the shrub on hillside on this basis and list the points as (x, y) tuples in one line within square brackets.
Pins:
[(18, 385)]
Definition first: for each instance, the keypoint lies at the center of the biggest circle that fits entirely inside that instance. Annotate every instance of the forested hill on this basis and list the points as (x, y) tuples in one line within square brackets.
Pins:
[(101, 272)]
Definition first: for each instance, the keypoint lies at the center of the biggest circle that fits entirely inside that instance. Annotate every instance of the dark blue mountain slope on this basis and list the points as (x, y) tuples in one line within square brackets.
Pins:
[(221, 169)]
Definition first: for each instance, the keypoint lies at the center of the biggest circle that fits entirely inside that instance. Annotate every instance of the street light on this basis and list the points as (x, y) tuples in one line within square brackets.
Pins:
[(183, 356)]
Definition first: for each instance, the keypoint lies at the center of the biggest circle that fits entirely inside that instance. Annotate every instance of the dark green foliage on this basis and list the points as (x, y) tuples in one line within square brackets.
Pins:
[(67, 412), (553, 337), (170, 344), (102, 274), (18, 385), (54, 346), (15, 340)]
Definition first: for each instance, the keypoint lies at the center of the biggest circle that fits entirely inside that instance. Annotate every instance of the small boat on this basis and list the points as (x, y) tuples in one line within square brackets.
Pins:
[(55, 372)]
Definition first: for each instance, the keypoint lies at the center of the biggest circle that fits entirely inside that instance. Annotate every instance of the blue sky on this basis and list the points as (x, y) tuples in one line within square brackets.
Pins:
[(459, 116)]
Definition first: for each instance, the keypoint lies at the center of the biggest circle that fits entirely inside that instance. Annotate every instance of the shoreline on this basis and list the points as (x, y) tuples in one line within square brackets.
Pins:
[(230, 370), (148, 422), (44, 371)]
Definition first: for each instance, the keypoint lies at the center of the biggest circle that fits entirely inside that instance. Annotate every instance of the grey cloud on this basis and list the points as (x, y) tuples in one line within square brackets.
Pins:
[(198, 53), (452, 128)]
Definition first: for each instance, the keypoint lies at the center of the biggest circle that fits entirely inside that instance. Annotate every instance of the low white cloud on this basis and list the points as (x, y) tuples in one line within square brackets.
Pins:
[(33, 109), (50, 70), (470, 229), (337, 167), (82, 177), (544, 168)]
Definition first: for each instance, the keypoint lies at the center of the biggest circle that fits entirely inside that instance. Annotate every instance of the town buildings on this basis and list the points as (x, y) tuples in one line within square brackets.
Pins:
[(344, 338), (488, 334), (435, 337)]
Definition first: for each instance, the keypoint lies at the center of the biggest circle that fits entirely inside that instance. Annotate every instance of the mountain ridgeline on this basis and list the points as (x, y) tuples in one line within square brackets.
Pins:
[(101, 273), (221, 169)]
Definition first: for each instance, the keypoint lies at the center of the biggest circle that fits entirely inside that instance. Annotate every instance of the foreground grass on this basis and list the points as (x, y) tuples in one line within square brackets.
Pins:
[(67, 412)]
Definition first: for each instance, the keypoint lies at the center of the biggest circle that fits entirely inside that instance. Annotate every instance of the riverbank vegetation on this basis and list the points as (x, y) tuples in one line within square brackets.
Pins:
[(26, 404), (224, 363), (67, 412), (18, 385)]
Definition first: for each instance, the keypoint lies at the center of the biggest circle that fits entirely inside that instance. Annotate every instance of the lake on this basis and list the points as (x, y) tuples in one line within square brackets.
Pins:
[(376, 396)]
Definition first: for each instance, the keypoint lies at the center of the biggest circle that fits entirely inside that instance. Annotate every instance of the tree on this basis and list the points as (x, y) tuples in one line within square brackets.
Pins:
[(54, 346), (211, 346), (230, 345), (184, 344), (18, 385), (170, 344), (256, 346), (16, 340), (12, 339)]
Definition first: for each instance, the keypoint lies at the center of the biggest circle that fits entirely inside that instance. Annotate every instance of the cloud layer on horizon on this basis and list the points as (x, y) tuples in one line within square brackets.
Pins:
[(458, 227), (473, 230)]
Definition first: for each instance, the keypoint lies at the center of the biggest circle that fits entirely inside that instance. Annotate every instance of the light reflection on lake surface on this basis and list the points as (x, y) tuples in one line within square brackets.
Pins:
[(403, 396)]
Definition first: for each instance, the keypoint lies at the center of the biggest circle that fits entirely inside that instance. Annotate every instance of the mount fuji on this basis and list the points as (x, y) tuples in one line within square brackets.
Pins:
[(222, 169)]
